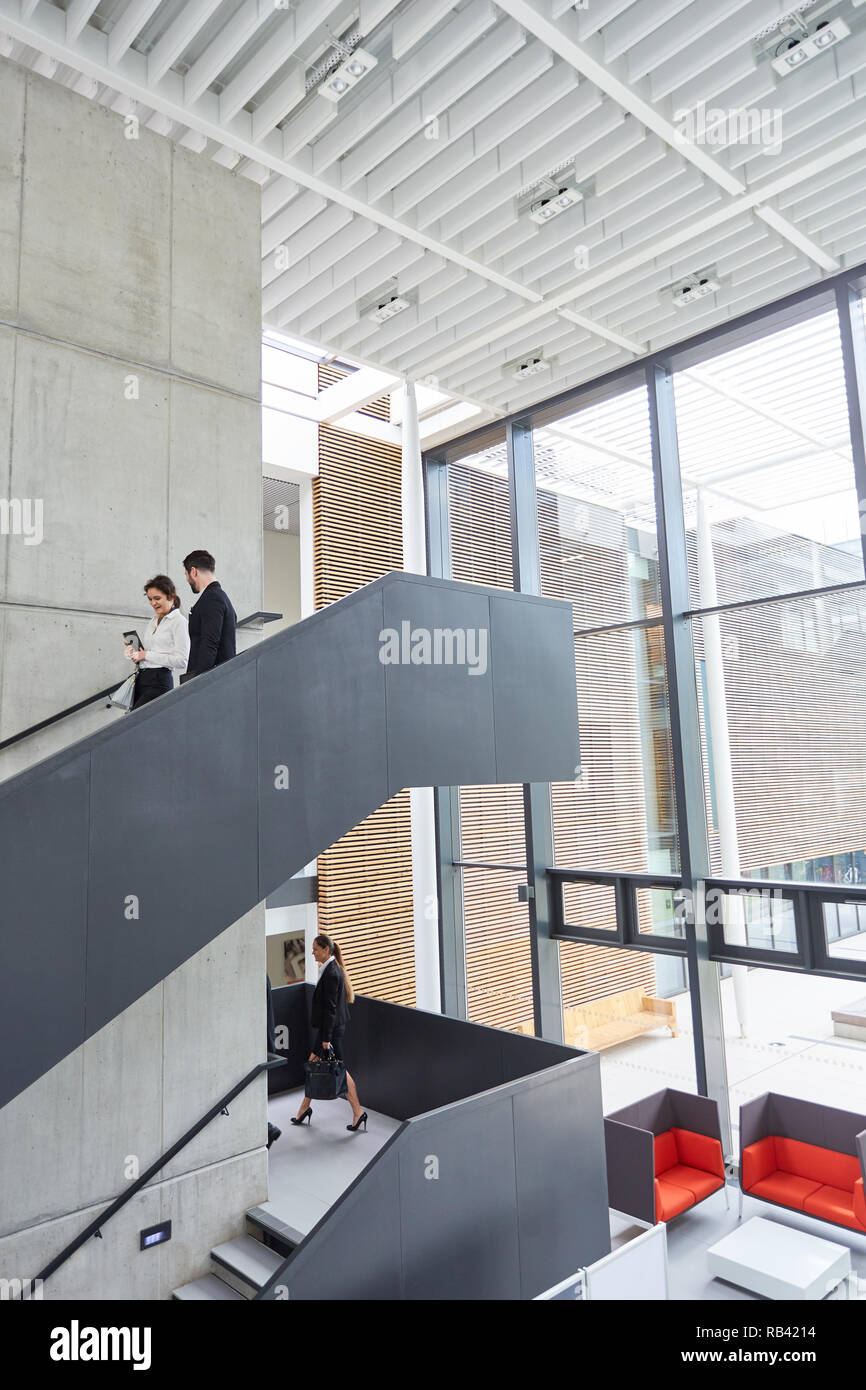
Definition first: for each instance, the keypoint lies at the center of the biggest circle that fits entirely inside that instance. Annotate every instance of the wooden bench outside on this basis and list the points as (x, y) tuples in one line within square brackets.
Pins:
[(849, 1020), (617, 1018)]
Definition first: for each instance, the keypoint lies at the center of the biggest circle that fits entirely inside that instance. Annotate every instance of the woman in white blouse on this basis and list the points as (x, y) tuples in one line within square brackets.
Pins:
[(166, 642)]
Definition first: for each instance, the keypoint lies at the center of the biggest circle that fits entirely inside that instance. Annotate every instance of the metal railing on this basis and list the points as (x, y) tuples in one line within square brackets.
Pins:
[(94, 1227), (796, 936), (249, 621)]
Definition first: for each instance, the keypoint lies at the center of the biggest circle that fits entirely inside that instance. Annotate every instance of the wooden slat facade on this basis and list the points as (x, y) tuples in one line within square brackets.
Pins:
[(600, 823), (498, 968), (365, 879)]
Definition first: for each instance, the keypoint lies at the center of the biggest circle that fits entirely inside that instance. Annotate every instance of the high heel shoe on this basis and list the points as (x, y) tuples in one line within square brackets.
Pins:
[(361, 1120), (306, 1116)]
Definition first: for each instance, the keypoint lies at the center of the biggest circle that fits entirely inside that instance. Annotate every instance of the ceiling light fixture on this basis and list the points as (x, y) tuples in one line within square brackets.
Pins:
[(694, 287), (799, 51), (530, 367), (552, 194), (558, 200), (348, 74), (385, 310)]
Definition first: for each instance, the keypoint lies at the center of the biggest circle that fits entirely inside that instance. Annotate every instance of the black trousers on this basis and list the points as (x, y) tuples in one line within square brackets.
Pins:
[(149, 685)]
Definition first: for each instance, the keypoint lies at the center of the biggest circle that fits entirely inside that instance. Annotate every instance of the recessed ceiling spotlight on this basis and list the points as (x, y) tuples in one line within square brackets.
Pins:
[(694, 287), (531, 366), (347, 75), (552, 194), (553, 203), (799, 51), (387, 308)]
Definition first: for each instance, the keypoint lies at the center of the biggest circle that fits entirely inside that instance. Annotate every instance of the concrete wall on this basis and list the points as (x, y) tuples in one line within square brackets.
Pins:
[(66, 1143), (130, 330)]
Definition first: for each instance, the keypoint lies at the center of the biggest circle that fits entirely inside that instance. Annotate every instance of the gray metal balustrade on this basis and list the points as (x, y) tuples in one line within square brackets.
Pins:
[(128, 852)]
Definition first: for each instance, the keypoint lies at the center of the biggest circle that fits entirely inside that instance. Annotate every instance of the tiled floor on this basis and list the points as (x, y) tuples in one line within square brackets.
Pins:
[(790, 1047), (690, 1235), (311, 1164)]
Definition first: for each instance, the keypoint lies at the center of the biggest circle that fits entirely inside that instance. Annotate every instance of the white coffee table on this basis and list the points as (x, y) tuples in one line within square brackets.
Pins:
[(779, 1262)]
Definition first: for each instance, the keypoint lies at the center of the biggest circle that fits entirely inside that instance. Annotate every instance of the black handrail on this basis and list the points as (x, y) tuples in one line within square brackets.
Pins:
[(94, 1228), (104, 694), (55, 718)]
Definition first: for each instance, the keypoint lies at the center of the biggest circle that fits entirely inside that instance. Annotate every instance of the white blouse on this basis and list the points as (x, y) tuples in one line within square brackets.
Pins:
[(167, 643)]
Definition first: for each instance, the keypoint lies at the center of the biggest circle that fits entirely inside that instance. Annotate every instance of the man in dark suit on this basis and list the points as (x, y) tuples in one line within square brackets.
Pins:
[(212, 621)]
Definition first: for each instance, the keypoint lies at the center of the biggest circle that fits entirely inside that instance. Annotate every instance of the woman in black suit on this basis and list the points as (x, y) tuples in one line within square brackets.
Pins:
[(328, 1016)]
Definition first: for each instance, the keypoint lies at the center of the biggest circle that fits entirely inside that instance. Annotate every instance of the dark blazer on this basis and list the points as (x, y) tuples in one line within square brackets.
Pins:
[(329, 1012), (212, 626)]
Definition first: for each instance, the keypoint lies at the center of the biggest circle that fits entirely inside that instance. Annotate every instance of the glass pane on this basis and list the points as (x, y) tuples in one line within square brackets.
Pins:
[(480, 519), (596, 512), (758, 917), (659, 914), (589, 905), (845, 930), (784, 738), (287, 370), (620, 813), (783, 1034), (768, 478), (635, 1010), (498, 964), (492, 825)]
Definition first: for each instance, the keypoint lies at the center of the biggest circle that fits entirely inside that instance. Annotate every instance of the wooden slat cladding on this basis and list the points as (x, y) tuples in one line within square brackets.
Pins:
[(600, 821), (365, 902), (365, 879), (498, 966), (480, 528), (496, 925), (599, 824), (329, 374), (594, 972), (356, 513)]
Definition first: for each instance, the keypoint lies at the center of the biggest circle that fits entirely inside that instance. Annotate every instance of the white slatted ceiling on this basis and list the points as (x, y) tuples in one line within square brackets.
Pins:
[(508, 108)]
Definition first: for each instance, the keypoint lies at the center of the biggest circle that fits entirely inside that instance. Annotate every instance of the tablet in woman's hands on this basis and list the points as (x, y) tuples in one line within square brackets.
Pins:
[(133, 640)]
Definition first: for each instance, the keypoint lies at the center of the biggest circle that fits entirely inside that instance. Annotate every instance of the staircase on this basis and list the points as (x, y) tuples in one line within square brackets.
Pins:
[(242, 1267), (285, 748)]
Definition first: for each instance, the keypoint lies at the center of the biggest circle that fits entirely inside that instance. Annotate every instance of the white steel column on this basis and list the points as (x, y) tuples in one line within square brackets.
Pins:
[(424, 894), (306, 547), (717, 717), (308, 606)]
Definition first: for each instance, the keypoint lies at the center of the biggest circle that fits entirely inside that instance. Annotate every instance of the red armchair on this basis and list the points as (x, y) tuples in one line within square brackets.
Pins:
[(664, 1155), (818, 1172), (688, 1168)]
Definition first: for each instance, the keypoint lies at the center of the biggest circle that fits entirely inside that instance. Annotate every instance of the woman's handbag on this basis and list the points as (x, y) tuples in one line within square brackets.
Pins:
[(325, 1078), (123, 696)]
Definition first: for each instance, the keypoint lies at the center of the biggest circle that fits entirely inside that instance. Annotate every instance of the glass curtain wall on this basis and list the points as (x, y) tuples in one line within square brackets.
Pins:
[(775, 579), (598, 549), (490, 820), (773, 531)]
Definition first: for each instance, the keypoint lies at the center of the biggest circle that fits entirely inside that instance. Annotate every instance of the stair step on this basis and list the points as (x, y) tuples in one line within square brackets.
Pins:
[(209, 1287), (275, 1233), (246, 1263)]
